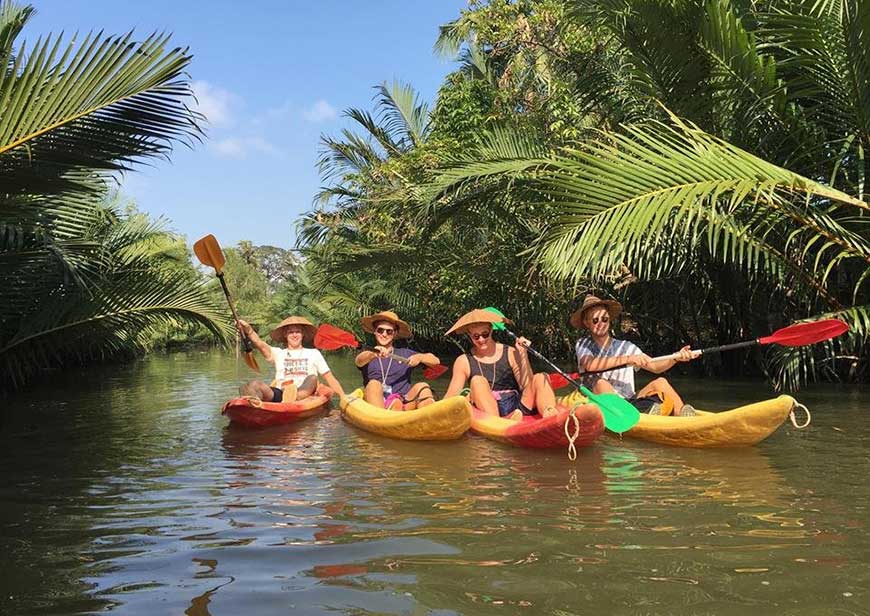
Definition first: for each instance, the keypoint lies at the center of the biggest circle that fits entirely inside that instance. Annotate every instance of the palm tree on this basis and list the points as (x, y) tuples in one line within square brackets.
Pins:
[(737, 146), (81, 280)]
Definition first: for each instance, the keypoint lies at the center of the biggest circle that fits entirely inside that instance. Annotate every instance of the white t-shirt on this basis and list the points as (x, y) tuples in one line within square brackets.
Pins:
[(296, 364), (622, 379)]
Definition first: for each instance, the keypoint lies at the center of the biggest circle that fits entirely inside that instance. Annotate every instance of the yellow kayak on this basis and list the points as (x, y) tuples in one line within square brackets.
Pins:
[(739, 427), (444, 420)]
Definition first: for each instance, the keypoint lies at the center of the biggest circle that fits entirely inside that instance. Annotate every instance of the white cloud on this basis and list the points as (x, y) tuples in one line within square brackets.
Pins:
[(214, 103), (240, 147), (321, 111)]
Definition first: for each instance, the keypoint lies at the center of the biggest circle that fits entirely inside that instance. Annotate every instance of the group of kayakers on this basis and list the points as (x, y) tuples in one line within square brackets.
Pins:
[(499, 377)]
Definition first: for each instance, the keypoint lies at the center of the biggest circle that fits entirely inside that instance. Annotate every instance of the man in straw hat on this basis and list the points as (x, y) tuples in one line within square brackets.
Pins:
[(387, 382), (607, 365), (500, 377), (296, 367)]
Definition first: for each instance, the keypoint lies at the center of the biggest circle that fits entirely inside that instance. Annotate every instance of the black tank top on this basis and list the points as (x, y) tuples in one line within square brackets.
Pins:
[(503, 378)]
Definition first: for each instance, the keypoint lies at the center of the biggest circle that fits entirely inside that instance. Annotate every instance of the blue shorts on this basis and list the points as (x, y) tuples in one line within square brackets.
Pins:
[(509, 401)]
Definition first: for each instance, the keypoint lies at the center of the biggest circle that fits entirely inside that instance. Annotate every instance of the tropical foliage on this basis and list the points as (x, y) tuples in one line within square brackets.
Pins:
[(82, 278), (702, 160)]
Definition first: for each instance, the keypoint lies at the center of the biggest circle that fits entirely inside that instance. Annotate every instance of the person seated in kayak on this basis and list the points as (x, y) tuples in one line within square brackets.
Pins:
[(500, 377), (387, 382), (607, 365), (296, 367)]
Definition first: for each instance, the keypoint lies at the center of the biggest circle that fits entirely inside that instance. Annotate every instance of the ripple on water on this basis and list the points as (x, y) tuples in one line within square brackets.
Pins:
[(144, 501)]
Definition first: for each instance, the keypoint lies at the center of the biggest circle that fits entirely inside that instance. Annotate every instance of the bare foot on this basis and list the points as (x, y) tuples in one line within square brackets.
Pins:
[(517, 415), (550, 411)]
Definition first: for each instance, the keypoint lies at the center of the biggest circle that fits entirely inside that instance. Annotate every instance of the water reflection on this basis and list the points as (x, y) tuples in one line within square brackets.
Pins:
[(142, 500)]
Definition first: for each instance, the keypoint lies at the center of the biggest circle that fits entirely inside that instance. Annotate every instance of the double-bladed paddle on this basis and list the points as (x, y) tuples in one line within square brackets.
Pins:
[(209, 253), (799, 334), (331, 338), (619, 414)]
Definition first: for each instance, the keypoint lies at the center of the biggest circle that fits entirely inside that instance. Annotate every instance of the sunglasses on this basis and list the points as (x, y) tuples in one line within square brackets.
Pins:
[(386, 331), (483, 335), (597, 320)]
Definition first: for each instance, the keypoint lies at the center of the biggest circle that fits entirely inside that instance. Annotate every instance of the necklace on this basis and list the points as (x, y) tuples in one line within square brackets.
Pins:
[(385, 373), (480, 369)]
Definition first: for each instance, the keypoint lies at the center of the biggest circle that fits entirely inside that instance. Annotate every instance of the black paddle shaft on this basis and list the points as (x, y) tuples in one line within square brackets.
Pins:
[(366, 347), (728, 347), (246, 342), (545, 360)]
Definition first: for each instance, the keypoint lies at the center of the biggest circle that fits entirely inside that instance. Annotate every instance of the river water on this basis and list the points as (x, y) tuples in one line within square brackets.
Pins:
[(122, 489)]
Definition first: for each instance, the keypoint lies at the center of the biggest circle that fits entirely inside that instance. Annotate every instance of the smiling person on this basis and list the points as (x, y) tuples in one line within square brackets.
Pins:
[(607, 365), (387, 381), (500, 377), (296, 367)]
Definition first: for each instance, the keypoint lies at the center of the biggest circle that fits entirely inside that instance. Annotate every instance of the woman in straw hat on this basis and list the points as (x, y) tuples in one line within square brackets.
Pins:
[(607, 365), (500, 377), (388, 382), (296, 367)]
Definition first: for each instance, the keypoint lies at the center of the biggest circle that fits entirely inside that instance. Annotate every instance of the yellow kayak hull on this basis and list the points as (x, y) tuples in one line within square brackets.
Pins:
[(444, 420), (740, 427)]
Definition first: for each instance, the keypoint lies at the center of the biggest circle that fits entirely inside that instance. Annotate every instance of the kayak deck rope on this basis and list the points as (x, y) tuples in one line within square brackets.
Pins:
[(574, 433), (791, 415)]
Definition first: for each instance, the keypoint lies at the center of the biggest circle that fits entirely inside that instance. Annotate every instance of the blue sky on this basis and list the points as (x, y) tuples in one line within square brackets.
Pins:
[(272, 76)]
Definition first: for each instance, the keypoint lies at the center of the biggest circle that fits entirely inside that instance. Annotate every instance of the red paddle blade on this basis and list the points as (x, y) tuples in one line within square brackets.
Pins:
[(433, 372), (557, 381), (252, 362), (801, 334), (330, 338)]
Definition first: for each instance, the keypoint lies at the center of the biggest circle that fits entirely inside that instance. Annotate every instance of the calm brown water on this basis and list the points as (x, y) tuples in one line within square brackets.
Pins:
[(123, 490)]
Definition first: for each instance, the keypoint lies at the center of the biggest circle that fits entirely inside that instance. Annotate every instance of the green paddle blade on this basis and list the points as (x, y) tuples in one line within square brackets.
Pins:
[(619, 414), (496, 326)]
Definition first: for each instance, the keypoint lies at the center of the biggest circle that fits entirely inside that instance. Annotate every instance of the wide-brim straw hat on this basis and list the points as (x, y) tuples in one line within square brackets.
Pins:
[(590, 301), (403, 330), (477, 315), (279, 334)]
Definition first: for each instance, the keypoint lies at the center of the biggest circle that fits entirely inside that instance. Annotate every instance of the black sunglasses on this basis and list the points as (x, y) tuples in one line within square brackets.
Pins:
[(596, 320), (484, 335), (385, 330)]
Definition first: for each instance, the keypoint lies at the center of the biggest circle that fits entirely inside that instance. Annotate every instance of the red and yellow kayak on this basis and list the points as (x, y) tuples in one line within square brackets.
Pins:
[(253, 413), (538, 432)]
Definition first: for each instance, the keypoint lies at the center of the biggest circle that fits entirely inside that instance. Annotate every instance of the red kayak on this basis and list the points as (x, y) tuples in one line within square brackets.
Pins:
[(253, 413), (538, 432)]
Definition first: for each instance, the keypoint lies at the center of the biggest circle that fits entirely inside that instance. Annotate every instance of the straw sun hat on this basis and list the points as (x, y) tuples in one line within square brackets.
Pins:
[(590, 301), (279, 334), (403, 330), (477, 315)]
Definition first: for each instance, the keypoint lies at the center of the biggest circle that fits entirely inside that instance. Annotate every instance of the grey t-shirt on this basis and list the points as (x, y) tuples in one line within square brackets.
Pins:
[(622, 379)]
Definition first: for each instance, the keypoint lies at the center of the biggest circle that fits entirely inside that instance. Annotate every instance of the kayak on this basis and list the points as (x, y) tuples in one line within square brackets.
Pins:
[(738, 427), (254, 413), (440, 421), (538, 432)]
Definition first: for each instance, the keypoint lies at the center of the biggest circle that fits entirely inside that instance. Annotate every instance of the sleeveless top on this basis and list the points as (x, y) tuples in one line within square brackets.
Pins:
[(499, 375)]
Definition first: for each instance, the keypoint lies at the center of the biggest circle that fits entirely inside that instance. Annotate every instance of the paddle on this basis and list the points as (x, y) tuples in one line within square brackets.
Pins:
[(619, 414), (209, 253), (799, 334), (331, 338)]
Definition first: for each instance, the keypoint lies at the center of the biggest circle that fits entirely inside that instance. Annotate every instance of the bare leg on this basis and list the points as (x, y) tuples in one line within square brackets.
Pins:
[(257, 389), (308, 387), (542, 396), (662, 386), (418, 396), (481, 395), (374, 393), (602, 387)]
